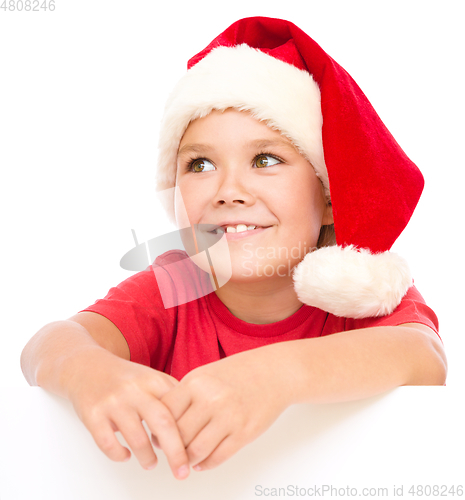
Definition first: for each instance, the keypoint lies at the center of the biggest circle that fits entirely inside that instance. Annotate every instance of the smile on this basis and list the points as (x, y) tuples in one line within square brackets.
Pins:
[(233, 233), (240, 228)]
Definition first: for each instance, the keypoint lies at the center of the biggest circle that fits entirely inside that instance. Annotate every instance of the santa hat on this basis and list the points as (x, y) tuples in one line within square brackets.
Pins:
[(274, 70)]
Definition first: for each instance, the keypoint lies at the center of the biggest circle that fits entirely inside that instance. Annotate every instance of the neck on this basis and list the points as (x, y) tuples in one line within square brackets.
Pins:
[(260, 303)]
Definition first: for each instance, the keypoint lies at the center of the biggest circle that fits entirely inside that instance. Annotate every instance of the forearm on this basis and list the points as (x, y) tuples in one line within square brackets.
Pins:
[(221, 406), (356, 364), (108, 392), (52, 357)]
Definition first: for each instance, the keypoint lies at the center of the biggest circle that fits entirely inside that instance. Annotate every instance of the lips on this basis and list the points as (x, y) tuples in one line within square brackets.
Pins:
[(243, 225)]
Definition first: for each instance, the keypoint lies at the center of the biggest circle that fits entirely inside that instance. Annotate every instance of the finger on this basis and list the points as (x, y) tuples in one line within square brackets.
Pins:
[(161, 423), (225, 450), (162, 384), (171, 380), (206, 441), (130, 426), (155, 442), (192, 422), (177, 401), (104, 436)]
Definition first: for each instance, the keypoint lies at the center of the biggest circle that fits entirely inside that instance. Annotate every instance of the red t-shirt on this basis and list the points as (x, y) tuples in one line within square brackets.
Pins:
[(180, 338)]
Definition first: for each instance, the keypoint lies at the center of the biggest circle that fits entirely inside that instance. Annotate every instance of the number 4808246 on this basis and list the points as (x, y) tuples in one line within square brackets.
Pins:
[(27, 5)]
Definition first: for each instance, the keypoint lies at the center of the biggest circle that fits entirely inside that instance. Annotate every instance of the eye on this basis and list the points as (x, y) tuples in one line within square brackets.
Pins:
[(261, 161), (201, 165)]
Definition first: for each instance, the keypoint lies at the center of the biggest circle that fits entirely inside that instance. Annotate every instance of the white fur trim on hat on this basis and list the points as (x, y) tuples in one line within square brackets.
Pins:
[(351, 282), (283, 96)]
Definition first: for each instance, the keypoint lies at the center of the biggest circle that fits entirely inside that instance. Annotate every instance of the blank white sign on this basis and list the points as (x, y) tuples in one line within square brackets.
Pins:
[(412, 436)]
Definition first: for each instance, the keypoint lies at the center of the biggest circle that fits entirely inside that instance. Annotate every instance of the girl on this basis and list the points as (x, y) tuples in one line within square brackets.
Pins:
[(267, 145)]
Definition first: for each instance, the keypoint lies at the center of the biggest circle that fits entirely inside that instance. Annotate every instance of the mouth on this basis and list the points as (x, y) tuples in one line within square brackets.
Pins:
[(237, 229), (240, 235)]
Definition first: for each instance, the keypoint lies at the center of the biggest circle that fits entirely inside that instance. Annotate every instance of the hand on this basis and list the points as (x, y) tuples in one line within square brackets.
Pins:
[(222, 406), (116, 395)]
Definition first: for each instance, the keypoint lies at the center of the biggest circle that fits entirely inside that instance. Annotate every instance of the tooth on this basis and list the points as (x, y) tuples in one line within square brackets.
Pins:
[(240, 228), (219, 230), (230, 229), (251, 227)]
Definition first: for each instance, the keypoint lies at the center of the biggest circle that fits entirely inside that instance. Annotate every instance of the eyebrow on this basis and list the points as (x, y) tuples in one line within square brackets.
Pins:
[(266, 143), (195, 148), (256, 144)]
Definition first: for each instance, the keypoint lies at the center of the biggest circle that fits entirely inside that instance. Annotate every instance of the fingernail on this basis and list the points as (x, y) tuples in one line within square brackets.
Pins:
[(150, 467), (197, 467), (183, 472), (127, 459)]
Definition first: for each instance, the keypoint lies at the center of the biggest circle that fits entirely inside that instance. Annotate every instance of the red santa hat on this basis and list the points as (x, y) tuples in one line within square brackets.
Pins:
[(275, 71)]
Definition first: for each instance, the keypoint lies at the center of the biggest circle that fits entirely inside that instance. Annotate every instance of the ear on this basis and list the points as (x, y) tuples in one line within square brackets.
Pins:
[(328, 218)]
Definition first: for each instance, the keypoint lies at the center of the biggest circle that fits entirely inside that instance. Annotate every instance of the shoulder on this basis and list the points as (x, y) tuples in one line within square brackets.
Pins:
[(412, 309)]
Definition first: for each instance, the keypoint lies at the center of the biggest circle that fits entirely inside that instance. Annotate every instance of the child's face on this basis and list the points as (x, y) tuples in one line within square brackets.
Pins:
[(233, 169)]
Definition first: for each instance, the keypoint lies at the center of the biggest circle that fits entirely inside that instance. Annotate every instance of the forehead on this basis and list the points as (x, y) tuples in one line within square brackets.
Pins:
[(218, 125)]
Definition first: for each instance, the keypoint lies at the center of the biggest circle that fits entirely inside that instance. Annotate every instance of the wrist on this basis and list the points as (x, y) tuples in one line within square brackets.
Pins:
[(277, 367)]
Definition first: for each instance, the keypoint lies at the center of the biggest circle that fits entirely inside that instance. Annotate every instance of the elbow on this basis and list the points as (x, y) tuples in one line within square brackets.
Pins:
[(432, 373), (431, 368), (25, 362), (436, 372), (33, 353), (438, 363)]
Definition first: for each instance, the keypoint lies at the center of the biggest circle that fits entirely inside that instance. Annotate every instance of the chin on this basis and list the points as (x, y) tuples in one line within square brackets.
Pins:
[(257, 270)]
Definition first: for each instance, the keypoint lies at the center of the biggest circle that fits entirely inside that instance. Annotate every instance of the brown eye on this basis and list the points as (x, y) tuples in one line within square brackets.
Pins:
[(265, 161), (201, 165), (197, 166), (261, 161)]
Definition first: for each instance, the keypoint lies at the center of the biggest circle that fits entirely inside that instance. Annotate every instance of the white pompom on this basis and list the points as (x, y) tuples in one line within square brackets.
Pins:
[(351, 282)]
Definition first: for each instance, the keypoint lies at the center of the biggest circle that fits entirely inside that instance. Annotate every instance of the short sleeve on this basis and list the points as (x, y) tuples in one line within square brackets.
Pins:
[(412, 309), (136, 308)]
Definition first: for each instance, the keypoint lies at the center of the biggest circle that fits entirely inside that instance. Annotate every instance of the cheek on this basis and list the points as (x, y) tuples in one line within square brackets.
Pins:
[(301, 200), (191, 200), (302, 210), (186, 205)]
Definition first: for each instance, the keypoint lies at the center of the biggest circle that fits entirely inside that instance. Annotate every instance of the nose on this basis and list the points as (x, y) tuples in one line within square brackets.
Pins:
[(234, 190)]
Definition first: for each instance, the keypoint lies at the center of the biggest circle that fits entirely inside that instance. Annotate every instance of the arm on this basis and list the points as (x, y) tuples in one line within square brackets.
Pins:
[(222, 406), (362, 363), (86, 360), (48, 358)]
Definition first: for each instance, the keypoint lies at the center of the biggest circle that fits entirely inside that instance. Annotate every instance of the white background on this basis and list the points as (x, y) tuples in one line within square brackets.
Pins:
[(406, 437), (81, 95)]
